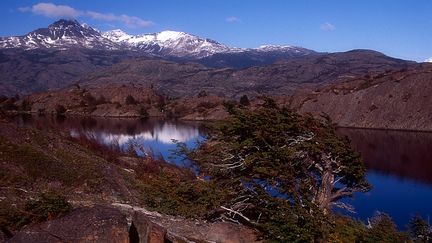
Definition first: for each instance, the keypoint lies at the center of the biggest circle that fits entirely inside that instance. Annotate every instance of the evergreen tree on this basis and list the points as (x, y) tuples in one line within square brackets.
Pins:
[(420, 230), (244, 100), (285, 171)]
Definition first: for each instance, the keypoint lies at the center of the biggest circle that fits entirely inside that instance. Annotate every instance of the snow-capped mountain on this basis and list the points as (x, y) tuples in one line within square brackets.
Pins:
[(272, 48), (171, 43), (68, 34), (428, 60), (62, 34)]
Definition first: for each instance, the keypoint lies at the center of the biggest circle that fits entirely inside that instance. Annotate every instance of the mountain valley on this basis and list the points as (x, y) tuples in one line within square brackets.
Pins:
[(137, 127)]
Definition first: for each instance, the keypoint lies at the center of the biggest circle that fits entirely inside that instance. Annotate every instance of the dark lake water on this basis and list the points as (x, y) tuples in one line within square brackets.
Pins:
[(399, 163)]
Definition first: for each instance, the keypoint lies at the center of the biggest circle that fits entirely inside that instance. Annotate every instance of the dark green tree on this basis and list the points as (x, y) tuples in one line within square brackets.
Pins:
[(89, 99), (285, 171), (419, 229), (60, 110), (101, 100), (130, 100), (25, 105), (244, 100), (202, 93), (383, 229), (143, 112)]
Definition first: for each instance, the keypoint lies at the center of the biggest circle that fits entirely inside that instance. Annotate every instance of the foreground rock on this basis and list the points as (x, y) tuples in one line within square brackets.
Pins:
[(155, 227), (124, 223), (97, 224)]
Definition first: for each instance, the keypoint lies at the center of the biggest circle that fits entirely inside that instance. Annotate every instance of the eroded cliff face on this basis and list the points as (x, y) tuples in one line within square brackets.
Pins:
[(393, 100)]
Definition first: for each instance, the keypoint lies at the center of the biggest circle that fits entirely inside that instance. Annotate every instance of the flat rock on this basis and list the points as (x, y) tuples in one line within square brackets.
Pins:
[(95, 224)]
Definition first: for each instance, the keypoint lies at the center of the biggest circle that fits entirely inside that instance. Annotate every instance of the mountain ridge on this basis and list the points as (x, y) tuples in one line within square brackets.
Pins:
[(66, 34)]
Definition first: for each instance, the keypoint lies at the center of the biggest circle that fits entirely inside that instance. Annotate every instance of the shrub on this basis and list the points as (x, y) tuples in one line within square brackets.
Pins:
[(169, 189), (229, 105), (143, 113), (244, 100), (117, 105), (60, 110), (25, 105), (46, 207), (383, 229), (160, 103), (101, 100), (130, 100), (89, 99), (3, 98), (178, 110), (41, 111), (202, 93), (207, 105), (419, 229)]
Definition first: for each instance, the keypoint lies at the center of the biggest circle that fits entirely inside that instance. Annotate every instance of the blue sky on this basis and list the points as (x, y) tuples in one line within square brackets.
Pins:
[(399, 28)]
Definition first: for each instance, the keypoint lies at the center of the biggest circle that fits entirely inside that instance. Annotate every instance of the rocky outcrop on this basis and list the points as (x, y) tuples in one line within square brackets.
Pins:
[(125, 223), (159, 228), (96, 224)]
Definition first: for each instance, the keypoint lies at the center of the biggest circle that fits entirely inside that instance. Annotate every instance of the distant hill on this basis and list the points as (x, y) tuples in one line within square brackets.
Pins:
[(282, 78)]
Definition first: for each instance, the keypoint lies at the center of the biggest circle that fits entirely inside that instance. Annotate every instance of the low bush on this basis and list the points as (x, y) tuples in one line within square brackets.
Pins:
[(46, 206)]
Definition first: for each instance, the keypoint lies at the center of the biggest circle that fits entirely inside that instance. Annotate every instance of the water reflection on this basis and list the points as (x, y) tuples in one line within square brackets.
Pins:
[(400, 170), (153, 134), (400, 153), (165, 133)]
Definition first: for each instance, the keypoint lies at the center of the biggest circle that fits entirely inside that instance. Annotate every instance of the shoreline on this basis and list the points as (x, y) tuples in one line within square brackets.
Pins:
[(211, 120)]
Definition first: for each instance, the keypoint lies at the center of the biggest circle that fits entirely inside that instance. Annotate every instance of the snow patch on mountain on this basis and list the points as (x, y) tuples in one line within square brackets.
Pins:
[(172, 43)]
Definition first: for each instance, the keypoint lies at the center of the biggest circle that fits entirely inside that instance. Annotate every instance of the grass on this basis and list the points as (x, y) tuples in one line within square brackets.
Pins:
[(46, 206)]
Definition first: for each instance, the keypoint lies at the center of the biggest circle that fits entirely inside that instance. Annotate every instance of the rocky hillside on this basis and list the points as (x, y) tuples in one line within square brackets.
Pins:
[(125, 100), (387, 98), (30, 71), (261, 56), (391, 100), (56, 188), (283, 78)]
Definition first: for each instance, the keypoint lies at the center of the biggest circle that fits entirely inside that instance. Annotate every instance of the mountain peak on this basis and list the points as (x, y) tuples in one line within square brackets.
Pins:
[(168, 43), (62, 34), (167, 35), (64, 23), (116, 35)]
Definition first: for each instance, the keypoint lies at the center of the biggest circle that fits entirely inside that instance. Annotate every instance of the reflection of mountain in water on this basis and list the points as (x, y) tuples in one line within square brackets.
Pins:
[(163, 133), (116, 130), (405, 154)]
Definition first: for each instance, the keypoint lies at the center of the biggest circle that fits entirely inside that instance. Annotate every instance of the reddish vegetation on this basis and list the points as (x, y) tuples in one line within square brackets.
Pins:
[(109, 152)]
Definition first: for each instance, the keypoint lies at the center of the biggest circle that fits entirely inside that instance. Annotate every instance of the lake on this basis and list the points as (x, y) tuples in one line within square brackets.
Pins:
[(399, 163)]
